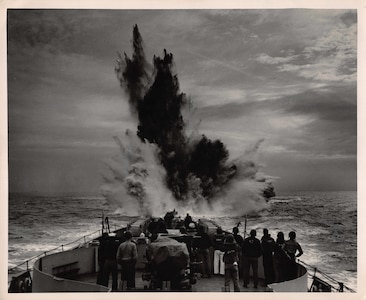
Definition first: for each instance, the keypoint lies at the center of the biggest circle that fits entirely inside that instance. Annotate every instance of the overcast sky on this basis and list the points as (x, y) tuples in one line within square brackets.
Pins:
[(285, 76)]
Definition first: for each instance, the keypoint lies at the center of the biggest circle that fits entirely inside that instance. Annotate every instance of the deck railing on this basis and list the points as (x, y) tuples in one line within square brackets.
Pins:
[(335, 285)]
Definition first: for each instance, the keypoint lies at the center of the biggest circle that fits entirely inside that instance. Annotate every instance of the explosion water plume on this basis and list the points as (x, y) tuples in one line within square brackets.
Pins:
[(167, 169), (134, 182)]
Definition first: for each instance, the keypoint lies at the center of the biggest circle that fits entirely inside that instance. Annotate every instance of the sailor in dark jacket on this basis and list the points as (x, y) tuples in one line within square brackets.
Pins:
[(280, 257), (219, 249), (231, 260), (268, 245), (107, 261), (251, 250), (203, 246), (238, 238)]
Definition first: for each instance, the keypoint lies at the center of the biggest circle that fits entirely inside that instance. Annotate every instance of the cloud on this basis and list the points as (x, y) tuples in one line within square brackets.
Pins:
[(330, 58), (330, 126), (313, 173), (266, 59), (40, 28), (63, 100), (320, 123)]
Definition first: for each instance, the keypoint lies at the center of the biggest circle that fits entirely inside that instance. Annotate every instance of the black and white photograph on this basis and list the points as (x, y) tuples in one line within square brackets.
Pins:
[(190, 149)]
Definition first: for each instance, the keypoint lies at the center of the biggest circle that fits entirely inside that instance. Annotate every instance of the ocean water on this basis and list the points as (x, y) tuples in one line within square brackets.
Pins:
[(325, 224)]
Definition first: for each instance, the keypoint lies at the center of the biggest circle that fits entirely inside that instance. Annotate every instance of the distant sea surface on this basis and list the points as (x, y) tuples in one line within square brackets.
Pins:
[(325, 224)]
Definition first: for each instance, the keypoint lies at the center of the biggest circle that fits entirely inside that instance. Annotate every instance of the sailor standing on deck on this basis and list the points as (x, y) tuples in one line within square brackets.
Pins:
[(231, 260), (238, 238), (251, 250), (219, 238), (127, 258), (268, 244), (293, 250), (188, 220), (292, 246), (279, 257), (239, 241), (107, 261), (203, 249)]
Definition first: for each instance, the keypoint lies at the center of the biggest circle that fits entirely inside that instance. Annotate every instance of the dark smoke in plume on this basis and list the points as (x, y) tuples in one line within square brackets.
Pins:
[(134, 75), (155, 97)]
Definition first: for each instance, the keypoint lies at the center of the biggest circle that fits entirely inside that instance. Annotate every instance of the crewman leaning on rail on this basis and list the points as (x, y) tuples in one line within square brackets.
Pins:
[(293, 249)]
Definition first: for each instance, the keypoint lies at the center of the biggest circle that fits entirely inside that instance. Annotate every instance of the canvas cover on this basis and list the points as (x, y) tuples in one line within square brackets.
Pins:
[(168, 257)]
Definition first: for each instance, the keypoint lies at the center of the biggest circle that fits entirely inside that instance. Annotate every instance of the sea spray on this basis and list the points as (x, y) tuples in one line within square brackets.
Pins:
[(134, 183), (135, 179)]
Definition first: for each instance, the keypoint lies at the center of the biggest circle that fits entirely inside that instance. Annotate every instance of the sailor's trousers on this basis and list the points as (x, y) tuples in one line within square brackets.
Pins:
[(219, 266)]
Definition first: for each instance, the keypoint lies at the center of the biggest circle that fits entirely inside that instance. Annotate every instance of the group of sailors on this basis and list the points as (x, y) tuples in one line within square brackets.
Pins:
[(279, 257), (233, 256)]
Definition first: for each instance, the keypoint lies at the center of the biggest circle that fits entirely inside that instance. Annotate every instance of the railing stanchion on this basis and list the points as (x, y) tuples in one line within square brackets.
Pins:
[(340, 287)]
